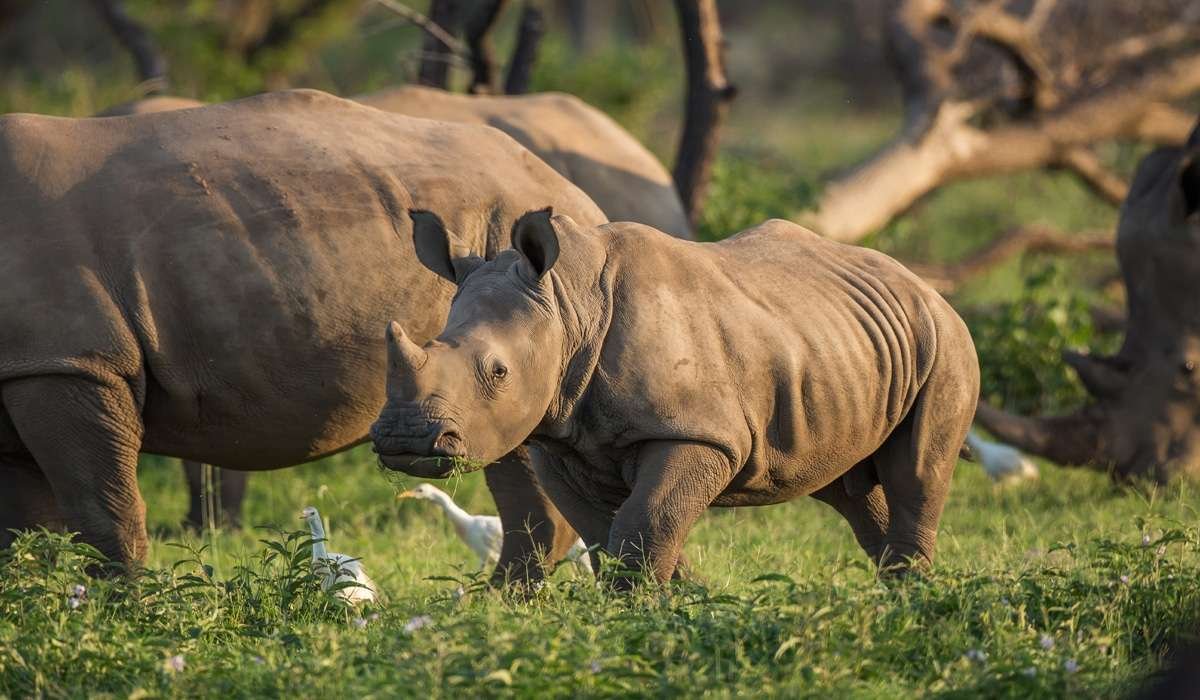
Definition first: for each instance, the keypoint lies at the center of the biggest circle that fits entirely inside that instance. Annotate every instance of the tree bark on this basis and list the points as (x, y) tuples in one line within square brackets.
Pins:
[(708, 96)]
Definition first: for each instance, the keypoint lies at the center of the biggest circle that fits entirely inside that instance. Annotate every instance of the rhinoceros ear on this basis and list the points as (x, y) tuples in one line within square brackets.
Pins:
[(439, 250), (534, 237)]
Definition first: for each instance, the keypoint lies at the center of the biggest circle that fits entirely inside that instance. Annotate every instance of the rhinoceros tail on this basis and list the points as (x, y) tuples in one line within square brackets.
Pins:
[(965, 452)]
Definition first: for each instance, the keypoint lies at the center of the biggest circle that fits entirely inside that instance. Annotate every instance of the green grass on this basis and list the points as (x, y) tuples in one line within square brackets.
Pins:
[(784, 602)]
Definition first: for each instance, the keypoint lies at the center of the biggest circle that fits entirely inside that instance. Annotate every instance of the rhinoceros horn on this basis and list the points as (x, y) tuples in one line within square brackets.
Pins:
[(403, 354)]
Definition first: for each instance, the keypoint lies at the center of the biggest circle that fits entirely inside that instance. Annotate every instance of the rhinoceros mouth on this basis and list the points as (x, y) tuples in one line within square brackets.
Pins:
[(427, 466)]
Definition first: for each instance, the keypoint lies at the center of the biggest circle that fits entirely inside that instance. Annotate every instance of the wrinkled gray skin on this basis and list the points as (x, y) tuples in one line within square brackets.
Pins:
[(659, 377), (211, 283)]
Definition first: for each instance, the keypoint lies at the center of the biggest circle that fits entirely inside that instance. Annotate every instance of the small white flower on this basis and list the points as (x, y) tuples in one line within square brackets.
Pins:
[(1125, 579), (1070, 666), (1029, 672), (358, 623), (175, 664), (1047, 642), (258, 660), (373, 617), (74, 602), (417, 623), (80, 591), (1146, 540), (976, 655), (594, 667), (1005, 601)]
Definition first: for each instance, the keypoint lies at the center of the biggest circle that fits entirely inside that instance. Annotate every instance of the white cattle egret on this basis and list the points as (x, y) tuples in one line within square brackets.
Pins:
[(1001, 462), (337, 568), (483, 533)]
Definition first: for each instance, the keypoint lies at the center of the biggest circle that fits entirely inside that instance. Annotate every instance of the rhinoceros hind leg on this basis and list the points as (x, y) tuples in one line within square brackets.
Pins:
[(26, 499), (85, 435), (867, 512), (231, 490), (915, 466)]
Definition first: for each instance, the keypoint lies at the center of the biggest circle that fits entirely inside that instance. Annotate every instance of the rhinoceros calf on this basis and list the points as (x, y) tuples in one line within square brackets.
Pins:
[(659, 377), (210, 284)]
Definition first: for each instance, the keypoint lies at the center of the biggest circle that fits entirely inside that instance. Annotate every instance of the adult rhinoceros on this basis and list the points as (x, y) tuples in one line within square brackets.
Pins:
[(579, 141), (212, 284)]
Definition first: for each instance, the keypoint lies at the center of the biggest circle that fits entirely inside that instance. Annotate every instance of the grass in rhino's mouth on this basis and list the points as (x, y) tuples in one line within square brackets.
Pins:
[(458, 465)]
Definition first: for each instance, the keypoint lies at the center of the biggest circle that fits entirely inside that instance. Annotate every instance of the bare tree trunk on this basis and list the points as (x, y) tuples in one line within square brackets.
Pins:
[(477, 28), (151, 65), (708, 96), (435, 61), (529, 36)]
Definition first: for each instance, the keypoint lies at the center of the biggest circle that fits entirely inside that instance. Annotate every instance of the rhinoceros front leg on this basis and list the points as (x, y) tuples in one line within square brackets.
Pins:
[(85, 433), (230, 486), (535, 532), (674, 484)]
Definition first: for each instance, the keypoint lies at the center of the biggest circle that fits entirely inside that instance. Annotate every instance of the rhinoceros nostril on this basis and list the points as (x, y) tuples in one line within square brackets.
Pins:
[(448, 440)]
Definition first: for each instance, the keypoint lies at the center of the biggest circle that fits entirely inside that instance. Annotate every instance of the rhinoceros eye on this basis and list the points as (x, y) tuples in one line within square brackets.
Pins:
[(499, 371)]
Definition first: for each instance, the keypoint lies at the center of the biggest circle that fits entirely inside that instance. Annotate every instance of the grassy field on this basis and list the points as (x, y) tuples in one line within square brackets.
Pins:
[(1062, 587), (1059, 587)]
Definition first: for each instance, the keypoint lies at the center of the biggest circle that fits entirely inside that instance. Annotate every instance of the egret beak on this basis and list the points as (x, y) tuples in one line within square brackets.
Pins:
[(406, 494)]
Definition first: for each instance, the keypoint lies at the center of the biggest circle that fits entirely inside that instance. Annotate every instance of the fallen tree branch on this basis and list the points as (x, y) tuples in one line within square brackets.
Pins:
[(1102, 181), (948, 278), (955, 130), (709, 94), (952, 149)]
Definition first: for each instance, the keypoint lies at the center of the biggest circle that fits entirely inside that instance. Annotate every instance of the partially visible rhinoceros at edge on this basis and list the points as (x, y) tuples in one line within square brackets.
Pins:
[(657, 377), (213, 284), (579, 141)]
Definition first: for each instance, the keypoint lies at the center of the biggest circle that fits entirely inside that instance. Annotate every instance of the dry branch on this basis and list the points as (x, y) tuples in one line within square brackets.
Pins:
[(708, 96), (427, 25), (948, 278)]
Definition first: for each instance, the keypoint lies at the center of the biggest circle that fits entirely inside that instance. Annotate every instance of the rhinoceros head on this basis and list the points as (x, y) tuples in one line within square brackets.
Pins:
[(479, 389)]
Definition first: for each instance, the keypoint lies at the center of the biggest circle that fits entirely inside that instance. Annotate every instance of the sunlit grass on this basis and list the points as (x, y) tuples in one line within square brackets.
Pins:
[(783, 601)]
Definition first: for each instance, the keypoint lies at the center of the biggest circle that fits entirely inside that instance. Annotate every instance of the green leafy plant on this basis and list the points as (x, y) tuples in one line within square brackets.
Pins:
[(1020, 344)]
